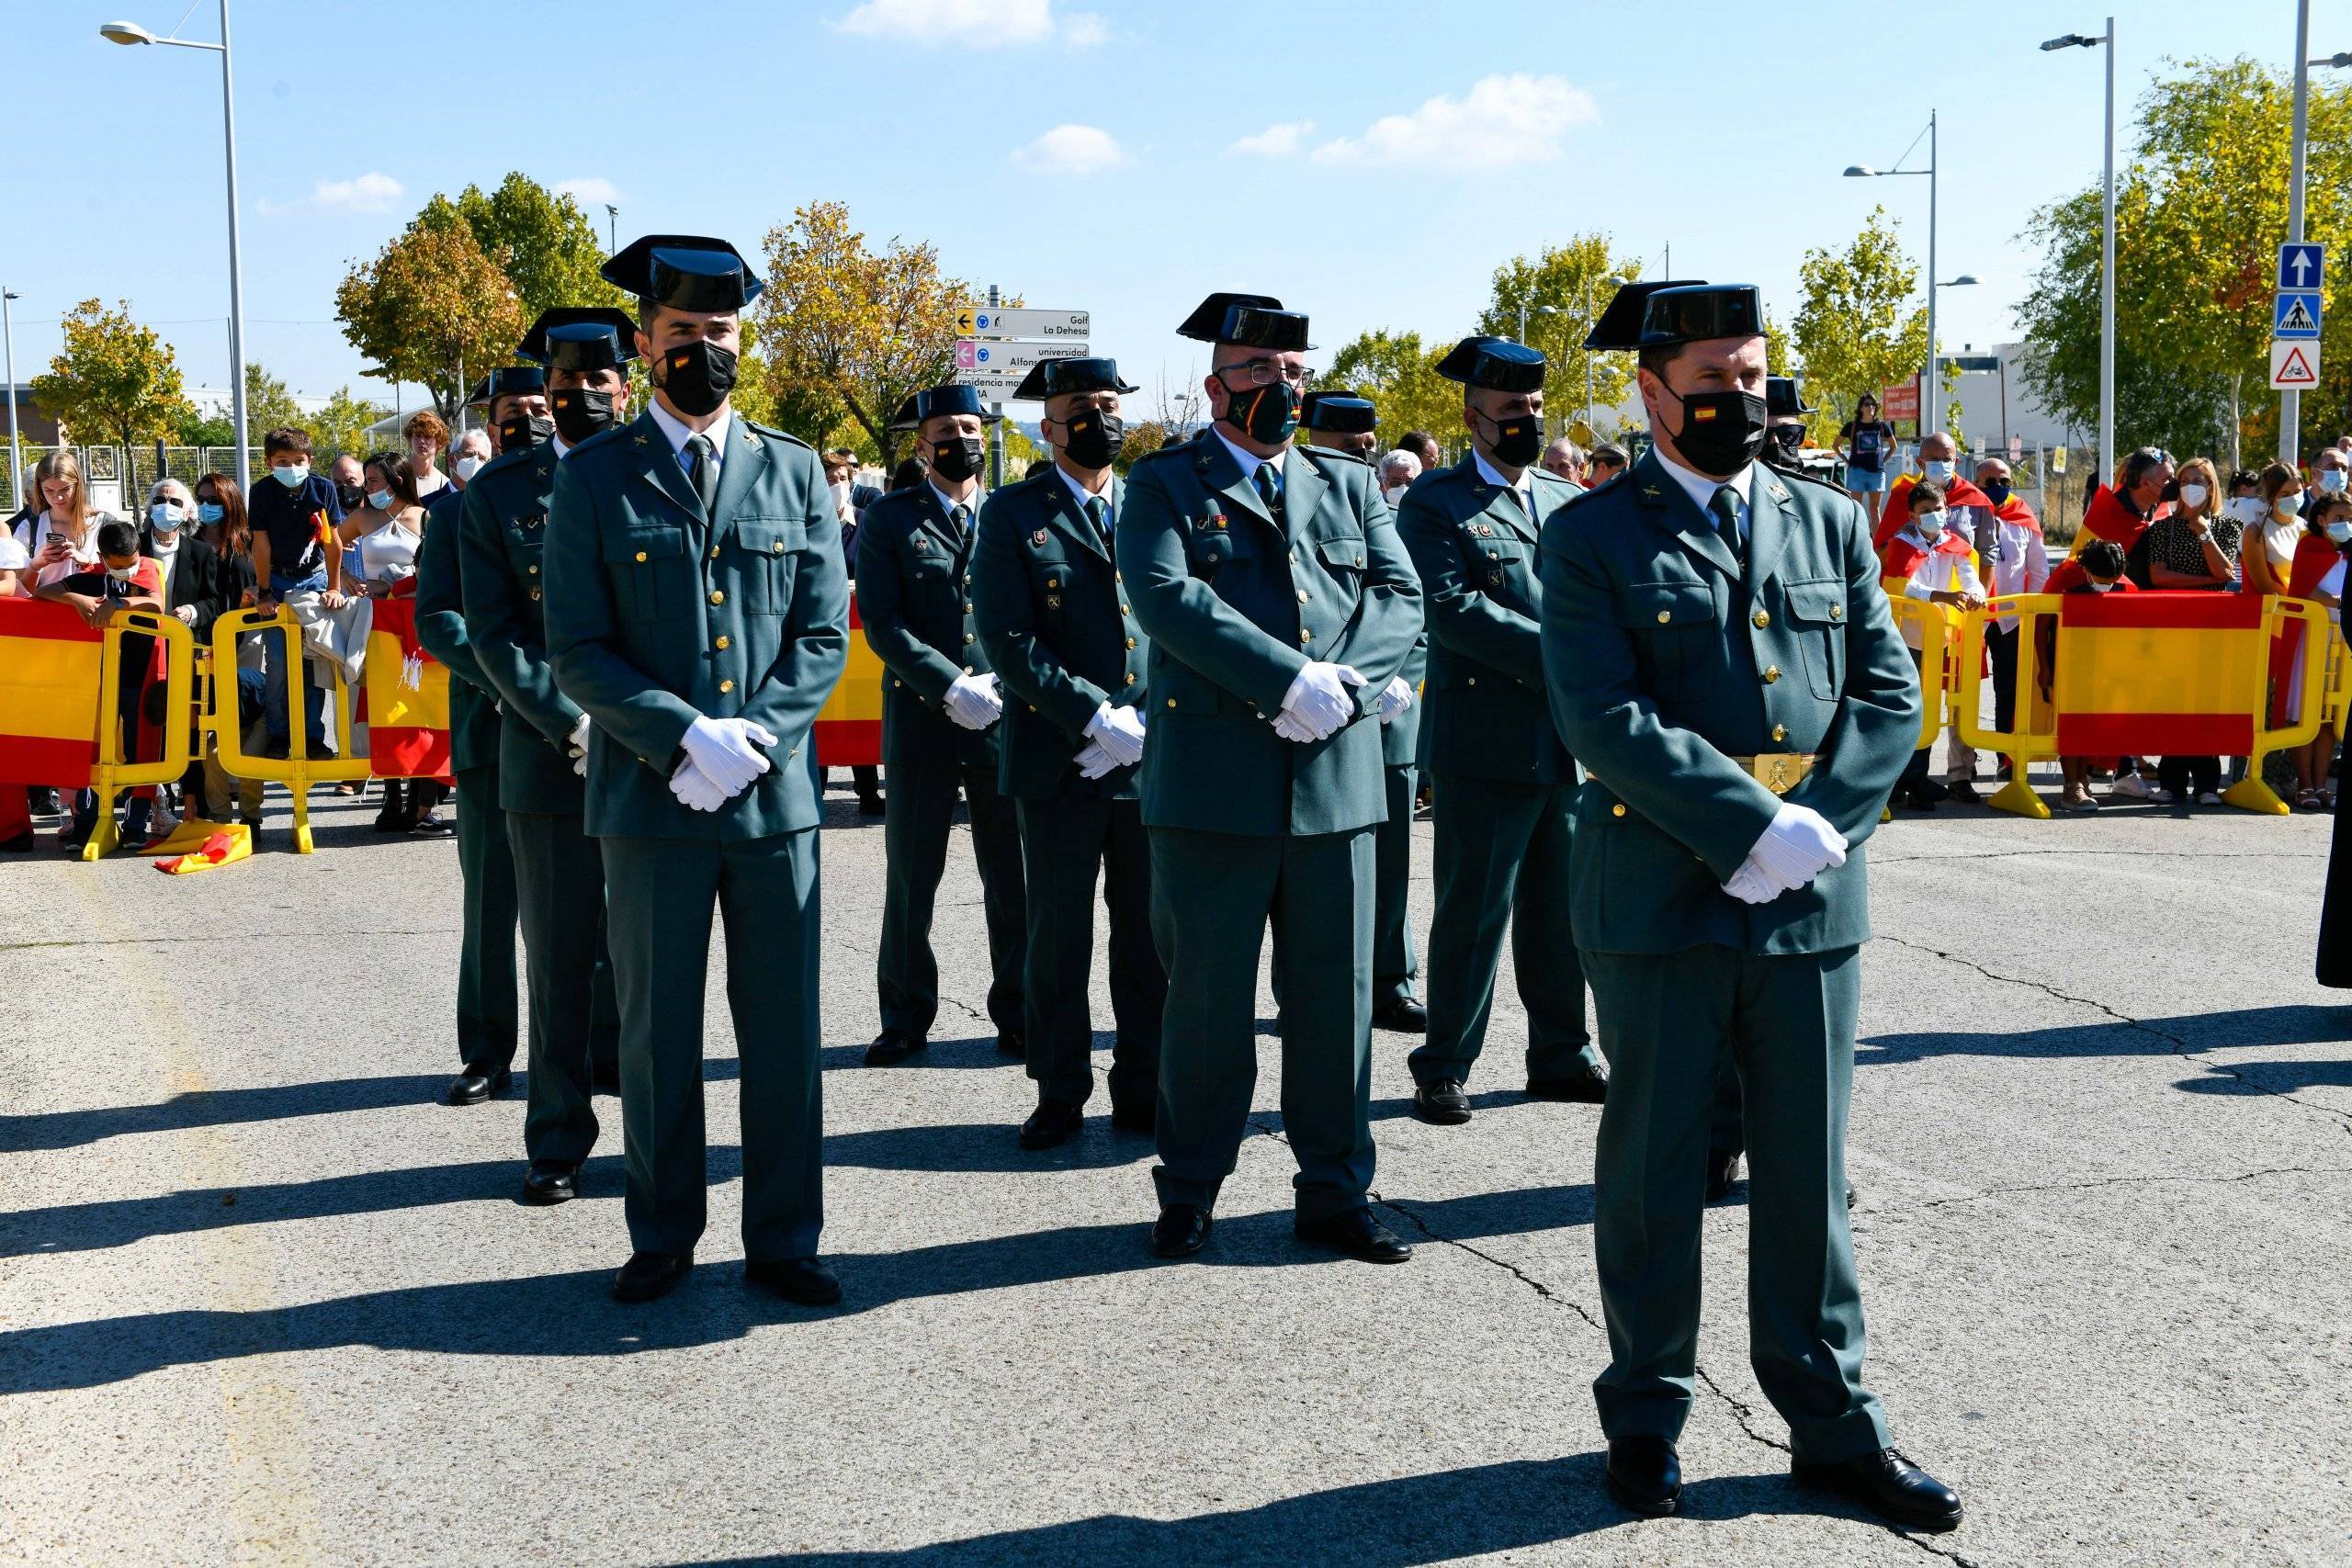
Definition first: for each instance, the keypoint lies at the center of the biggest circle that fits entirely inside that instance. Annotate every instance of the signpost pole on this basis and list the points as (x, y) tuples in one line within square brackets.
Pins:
[(996, 430), (2290, 403)]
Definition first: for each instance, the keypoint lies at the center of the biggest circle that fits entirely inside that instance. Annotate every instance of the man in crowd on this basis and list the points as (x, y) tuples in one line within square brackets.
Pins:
[(1423, 445), (940, 713), (471, 450), (574, 1039), (1398, 469), (1565, 459), (1720, 657), (293, 514), (1939, 461), (350, 481), (1058, 628), (1280, 606), (1784, 411), (1505, 805), (1339, 421), (1607, 461), (2122, 512), (698, 613), (515, 401)]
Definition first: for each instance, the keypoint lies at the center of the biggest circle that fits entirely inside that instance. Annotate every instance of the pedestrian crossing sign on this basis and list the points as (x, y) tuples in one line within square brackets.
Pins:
[(2296, 315), (2294, 365)]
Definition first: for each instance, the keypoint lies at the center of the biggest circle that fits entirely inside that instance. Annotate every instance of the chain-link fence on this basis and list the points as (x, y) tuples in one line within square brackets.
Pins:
[(119, 478)]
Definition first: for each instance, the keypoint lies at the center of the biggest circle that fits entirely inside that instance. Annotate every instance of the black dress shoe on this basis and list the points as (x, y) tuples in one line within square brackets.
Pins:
[(1723, 1169), (892, 1046), (1054, 1122), (1402, 1014), (1442, 1103), (472, 1087), (1140, 1114), (1011, 1043), (1584, 1086), (648, 1276), (1645, 1475), (802, 1280), (1962, 790), (429, 826), (869, 805), (1354, 1235), (1182, 1230), (551, 1181), (605, 1078), (1888, 1485)]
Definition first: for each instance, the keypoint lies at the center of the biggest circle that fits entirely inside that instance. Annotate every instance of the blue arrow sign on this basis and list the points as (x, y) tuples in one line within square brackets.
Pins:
[(2296, 316), (2303, 264)]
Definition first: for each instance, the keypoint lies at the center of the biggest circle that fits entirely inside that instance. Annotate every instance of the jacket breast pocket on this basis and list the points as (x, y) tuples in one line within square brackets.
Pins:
[(767, 552), (1049, 587), (1493, 565), (1817, 620), (1345, 561), (1674, 626), (648, 571)]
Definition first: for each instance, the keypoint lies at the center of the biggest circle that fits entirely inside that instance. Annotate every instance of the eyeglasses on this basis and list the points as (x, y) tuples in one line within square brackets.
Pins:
[(1266, 372)]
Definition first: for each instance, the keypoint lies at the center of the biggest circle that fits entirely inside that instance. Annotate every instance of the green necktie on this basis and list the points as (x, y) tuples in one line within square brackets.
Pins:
[(1724, 509), (702, 470), (1270, 491), (1100, 511)]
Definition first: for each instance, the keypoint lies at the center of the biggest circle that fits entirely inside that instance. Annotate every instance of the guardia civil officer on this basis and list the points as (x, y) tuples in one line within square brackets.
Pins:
[(1723, 662), (574, 1040), (1058, 630), (515, 400), (941, 709), (1342, 421), (698, 613), (1280, 605), (1505, 808)]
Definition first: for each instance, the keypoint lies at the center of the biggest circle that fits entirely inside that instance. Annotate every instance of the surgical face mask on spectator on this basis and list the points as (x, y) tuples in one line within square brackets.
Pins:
[(165, 516), (124, 572), (208, 511), (2193, 496), (1937, 469), (1929, 524), (381, 500), (2101, 587), (2288, 504), (2340, 531), (841, 493), (468, 467), (2331, 481), (293, 476), (1394, 493)]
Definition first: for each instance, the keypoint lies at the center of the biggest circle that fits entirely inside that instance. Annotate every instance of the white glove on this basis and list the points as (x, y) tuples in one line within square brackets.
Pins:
[(1119, 731), (187, 612), (1318, 698), (577, 743), (1290, 729), (723, 748), (1394, 698), (972, 701), (1094, 762), (1749, 885), (1799, 846), (693, 786)]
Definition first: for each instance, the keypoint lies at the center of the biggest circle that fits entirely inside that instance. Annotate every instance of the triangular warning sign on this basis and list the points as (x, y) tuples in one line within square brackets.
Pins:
[(2297, 318), (2295, 369)]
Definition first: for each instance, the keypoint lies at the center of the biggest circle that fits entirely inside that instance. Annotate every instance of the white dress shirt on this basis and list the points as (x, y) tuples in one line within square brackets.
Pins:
[(1702, 490), (1249, 462), (948, 503), (2020, 561), (674, 430), (1524, 489)]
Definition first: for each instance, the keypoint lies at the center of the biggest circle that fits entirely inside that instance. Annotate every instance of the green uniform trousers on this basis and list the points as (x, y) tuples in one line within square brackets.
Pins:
[(1064, 841), (575, 1022), (660, 893), (1788, 1025), (1212, 897), (1393, 967), (487, 1029), (917, 812), (1502, 860)]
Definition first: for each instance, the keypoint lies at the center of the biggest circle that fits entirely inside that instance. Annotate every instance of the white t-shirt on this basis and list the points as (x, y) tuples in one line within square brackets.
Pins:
[(34, 533)]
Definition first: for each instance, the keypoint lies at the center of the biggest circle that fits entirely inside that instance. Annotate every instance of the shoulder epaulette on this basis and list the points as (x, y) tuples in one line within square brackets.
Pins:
[(779, 435)]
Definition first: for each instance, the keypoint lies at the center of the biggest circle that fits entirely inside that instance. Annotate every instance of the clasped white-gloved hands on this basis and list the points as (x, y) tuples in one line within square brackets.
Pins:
[(1799, 846), (577, 744), (972, 701), (1119, 732), (1317, 704), (1093, 761), (722, 750), (693, 787), (1394, 698)]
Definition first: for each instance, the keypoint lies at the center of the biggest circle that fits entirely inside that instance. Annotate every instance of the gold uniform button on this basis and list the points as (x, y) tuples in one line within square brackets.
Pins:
[(1472, 681), (714, 552), (1779, 732), (717, 596), (1760, 619), (967, 606), (1836, 612), (722, 643), (1124, 611), (534, 593), (1171, 701), (1618, 809), (1305, 634), (1117, 578), (727, 685), (641, 555), (1771, 673), (1131, 642), (776, 548), (969, 638), (1664, 616), (1302, 596), (1131, 680), (535, 570)]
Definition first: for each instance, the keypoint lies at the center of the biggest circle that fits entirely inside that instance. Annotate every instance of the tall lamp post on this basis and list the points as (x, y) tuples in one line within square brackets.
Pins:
[(1539, 309), (131, 32), (1930, 390), (613, 226), (2107, 238), (15, 447)]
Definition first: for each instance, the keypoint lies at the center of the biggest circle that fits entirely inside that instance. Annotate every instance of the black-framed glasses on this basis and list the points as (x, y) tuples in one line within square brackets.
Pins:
[(1266, 372)]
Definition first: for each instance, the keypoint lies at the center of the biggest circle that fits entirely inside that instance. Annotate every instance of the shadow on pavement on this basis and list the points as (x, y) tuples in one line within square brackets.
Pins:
[(2270, 1078), (2294, 1025)]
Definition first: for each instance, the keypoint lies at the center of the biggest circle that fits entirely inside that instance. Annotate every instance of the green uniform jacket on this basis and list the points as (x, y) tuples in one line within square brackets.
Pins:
[(441, 628), (1475, 552), (1665, 658), (914, 598), (657, 614), (1058, 627), (501, 531), (1236, 606)]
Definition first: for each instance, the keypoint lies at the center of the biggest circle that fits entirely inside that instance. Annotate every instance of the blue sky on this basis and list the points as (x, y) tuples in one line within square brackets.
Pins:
[(1369, 162)]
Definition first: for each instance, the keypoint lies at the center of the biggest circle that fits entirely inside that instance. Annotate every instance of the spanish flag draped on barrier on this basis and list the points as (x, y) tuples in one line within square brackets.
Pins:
[(849, 727), (49, 667), (408, 698)]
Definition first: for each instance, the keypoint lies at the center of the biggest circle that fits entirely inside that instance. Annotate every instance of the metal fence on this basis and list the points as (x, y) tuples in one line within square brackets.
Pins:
[(119, 478)]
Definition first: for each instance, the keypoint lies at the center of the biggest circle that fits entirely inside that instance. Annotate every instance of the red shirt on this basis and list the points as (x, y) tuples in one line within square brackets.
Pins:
[(2110, 517), (2315, 557)]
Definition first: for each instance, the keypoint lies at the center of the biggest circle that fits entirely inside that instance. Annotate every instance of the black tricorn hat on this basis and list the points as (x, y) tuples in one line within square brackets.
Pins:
[(686, 272), (1255, 321), (1339, 413), (1495, 362), (1052, 378), (1620, 326), (1699, 312), (1784, 399), (580, 337), (512, 380), (951, 397)]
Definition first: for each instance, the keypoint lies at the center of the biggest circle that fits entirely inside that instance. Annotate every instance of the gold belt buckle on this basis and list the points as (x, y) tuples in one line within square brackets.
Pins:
[(1778, 771)]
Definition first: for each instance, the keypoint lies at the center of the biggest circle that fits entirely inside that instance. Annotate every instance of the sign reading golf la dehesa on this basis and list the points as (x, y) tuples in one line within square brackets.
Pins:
[(987, 321), (2294, 365)]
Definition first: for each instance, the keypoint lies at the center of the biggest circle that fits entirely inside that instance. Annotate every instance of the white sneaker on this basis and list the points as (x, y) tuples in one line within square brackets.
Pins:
[(2132, 786), (2208, 798), (2164, 797)]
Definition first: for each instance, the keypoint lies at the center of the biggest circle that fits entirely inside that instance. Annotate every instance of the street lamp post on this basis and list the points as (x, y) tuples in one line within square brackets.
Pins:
[(15, 446), (129, 33), (613, 226), (2107, 246), (1539, 309), (1930, 390)]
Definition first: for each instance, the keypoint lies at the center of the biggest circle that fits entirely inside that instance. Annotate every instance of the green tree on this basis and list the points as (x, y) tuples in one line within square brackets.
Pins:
[(1855, 331), (547, 247), (1400, 377), (196, 429), (433, 307), (1574, 281), (116, 381), (269, 403), (342, 425)]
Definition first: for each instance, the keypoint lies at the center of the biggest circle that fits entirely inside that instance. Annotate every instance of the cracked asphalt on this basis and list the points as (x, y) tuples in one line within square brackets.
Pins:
[(262, 1299)]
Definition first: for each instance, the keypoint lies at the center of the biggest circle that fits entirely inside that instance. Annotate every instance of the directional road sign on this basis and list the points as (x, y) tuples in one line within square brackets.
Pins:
[(2303, 264), (2294, 365), (2296, 315), (987, 321), (993, 386), (990, 354)]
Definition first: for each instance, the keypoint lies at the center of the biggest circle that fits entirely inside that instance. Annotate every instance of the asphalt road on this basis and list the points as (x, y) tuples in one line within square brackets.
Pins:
[(262, 1299)]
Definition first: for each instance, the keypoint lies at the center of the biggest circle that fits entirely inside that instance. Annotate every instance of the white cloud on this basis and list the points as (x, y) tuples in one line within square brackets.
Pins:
[(590, 193), (370, 192), (1083, 29), (1276, 141), (1072, 150), (1504, 120), (984, 24)]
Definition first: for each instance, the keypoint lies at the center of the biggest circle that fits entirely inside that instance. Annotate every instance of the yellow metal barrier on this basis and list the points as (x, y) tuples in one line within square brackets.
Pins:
[(297, 770), (2250, 793), (1937, 627), (111, 774), (2338, 693)]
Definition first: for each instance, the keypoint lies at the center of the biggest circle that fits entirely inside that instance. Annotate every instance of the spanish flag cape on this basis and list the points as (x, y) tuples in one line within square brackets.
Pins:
[(2014, 510), (1897, 511), (408, 697), (49, 693), (2109, 518), (1902, 555)]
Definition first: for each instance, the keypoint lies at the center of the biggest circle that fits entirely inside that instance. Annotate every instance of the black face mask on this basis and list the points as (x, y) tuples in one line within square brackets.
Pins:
[(1998, 490), (1788, 439), (351, 498), (697, 378), (521, 433), (1722, 432), (1094, 437), (956, 459), (1518, 440), (1266, 414), (581, 413)]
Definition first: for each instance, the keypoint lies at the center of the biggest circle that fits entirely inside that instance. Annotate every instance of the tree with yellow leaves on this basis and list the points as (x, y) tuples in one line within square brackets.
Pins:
[(116, 381), (430, 309)]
